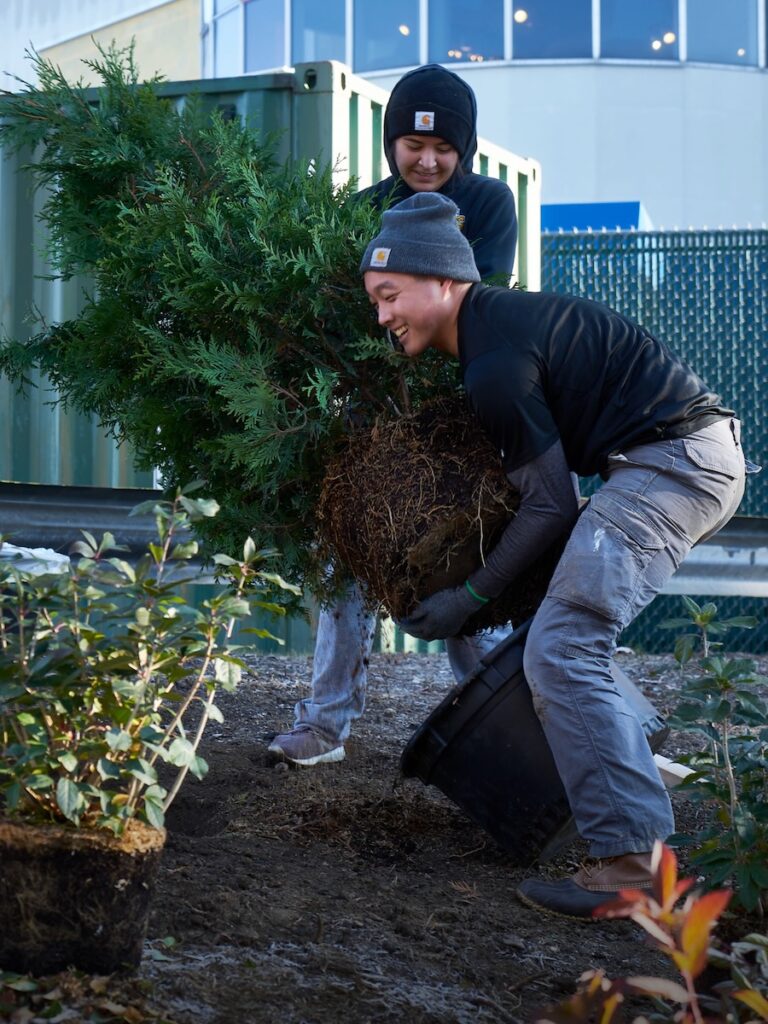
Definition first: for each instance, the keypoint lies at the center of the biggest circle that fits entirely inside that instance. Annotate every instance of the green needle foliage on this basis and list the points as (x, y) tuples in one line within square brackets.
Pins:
[(226, 334)]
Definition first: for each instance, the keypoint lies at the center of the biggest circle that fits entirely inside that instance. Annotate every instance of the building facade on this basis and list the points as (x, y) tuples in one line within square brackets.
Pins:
[(662, 103), (657, 102), (167, 35)]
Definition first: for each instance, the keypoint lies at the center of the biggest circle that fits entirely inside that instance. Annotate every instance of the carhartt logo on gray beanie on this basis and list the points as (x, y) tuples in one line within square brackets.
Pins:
[(421, 236)]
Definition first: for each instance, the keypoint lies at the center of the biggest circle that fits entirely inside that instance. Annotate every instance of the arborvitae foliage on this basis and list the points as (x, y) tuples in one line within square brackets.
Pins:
[(227, 334)]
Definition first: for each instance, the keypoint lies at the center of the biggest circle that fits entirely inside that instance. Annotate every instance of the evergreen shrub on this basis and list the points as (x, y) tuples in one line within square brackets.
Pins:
[(226, 334)]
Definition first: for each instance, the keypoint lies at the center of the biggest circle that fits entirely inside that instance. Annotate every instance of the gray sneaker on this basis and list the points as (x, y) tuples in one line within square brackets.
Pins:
[(304, 746)]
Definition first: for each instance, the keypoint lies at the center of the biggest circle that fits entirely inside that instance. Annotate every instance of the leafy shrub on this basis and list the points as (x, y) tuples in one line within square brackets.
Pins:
[(106, 673), (731, 772), (682, 933)]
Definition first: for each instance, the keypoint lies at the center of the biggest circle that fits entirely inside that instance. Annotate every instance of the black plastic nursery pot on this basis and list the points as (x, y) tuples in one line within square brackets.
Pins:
[(484, 748), (75, 897)]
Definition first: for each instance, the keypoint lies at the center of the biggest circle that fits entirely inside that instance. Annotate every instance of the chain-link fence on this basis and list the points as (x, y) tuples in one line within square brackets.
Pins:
[(705, 293)]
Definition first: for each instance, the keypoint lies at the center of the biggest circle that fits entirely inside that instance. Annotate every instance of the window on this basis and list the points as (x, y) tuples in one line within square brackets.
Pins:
[(227, 42), (722, 33), (466, 30), (386, 34), (551, 28), (646, 30), (317, 30), (264, 34)]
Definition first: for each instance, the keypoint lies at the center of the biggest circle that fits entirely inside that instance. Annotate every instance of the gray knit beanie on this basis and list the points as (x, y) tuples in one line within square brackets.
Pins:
[(421, 236)]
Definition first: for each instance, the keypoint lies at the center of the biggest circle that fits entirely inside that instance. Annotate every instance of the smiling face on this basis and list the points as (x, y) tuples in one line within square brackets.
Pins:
[(420, 311), (425, 162)]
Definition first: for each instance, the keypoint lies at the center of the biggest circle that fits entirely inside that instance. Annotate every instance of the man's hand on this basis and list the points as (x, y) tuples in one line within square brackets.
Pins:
[(441, 615)]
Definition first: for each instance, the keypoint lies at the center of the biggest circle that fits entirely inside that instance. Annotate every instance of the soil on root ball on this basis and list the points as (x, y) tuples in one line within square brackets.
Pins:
[(414, 505)]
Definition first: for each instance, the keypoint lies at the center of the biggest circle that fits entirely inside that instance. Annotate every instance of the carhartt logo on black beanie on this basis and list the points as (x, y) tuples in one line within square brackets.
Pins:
[(432, 101), (421, 236)]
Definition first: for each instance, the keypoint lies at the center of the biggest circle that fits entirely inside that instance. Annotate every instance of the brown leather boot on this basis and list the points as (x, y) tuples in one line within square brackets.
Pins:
[(596, 882)]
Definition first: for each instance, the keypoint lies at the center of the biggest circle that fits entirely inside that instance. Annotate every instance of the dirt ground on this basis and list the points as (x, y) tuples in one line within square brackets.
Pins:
[(344, 892)]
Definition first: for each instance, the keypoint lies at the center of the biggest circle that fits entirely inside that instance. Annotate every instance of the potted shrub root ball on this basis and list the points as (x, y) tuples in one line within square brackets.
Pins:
[(107, 680)]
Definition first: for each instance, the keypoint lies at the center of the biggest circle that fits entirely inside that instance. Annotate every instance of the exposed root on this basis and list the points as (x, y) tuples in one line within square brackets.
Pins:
[(414, 505)]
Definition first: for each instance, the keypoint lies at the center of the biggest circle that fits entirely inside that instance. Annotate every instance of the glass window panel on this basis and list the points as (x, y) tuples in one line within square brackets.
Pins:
[(551, 28), (264, 34), (466, 30), (639, 31), (317, 30), (722, 33), (386, 34), (220, 6), (227, 45)]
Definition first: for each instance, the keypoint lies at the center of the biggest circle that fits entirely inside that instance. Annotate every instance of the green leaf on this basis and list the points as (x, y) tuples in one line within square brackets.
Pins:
[(108, 769), (12, 796), (118, 740), (690, 606), (68, 760), (198, 766), (143, 616), (186, 550), (153, 808), (277, 580), (20, 984), (224, 560), (141, 770), (192, 486), (200, 508), (227, 673), (69, 799), (742, 622), (181, 752), (145, 507), (39, 782)]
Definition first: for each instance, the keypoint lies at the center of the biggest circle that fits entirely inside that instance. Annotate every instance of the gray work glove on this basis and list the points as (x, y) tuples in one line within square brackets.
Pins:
[(441, 615)]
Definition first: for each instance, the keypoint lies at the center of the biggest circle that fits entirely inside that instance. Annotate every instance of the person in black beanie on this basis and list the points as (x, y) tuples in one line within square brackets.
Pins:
[(430, 141)]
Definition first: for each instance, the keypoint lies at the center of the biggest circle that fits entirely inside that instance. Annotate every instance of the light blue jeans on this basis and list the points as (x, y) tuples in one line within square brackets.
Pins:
[(659, 500), (345, 633)]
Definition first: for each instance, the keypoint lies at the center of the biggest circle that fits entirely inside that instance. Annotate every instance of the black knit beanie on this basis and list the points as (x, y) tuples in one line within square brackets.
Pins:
[(433, 101), (421, 236)]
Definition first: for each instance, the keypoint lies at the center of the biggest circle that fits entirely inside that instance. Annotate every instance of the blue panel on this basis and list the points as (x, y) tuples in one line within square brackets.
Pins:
[(594, 216)]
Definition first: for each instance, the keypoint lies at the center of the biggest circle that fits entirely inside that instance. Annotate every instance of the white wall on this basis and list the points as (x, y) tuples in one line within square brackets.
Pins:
[(690, 142), (45, 23)]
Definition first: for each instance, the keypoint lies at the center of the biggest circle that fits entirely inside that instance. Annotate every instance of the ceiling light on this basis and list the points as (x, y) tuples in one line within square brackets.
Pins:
[(656, 44), (404, 30), (669, 37), (520, 16)]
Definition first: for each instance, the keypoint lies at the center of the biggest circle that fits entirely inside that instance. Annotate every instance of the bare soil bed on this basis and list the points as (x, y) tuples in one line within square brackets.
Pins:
[(346, 893)]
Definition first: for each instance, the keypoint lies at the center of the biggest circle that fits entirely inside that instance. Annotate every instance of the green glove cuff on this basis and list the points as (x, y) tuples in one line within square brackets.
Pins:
[(482, 600)]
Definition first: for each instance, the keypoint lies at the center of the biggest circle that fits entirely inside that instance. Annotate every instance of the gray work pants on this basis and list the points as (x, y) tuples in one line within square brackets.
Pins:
[(345, 634), (658, 501)]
